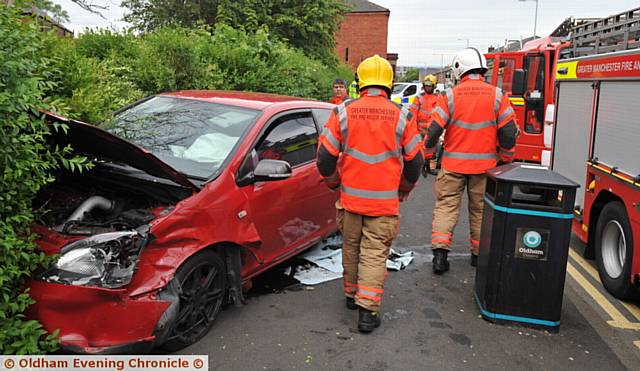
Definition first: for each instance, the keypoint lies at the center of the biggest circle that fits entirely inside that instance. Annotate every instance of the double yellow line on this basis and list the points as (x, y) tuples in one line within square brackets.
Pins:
[(618, 319)]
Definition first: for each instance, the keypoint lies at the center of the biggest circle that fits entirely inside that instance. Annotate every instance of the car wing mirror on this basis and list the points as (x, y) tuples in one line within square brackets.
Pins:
[(270, 170)]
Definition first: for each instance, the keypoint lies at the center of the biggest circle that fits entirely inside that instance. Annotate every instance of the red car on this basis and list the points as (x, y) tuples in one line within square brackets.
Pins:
[(193, 193)]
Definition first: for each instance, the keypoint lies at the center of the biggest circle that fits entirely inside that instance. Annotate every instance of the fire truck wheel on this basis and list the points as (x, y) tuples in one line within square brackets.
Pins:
[(614, 251)]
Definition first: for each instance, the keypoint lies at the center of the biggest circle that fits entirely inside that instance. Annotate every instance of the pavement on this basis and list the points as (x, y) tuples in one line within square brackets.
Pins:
[(429, 322)]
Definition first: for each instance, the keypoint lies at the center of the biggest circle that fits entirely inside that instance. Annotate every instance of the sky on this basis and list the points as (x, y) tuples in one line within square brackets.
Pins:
[(429, 32)]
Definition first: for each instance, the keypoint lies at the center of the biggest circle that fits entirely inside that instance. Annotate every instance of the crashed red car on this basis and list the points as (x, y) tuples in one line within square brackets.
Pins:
[(193, 193)]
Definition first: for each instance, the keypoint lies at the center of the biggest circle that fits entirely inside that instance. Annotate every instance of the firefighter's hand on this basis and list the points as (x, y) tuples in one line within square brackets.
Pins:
[(403, 196), (333, 182), (425, 169)]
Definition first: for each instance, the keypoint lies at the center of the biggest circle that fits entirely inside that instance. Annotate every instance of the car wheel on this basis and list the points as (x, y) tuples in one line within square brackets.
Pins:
[(614, 251), (203, 283)]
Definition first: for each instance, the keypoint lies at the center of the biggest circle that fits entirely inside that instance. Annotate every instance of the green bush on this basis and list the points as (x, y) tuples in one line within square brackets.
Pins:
[(102, 71), (26, 161)]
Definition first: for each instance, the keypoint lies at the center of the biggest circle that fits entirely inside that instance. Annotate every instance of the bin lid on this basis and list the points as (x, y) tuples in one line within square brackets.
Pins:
[(530, 174)]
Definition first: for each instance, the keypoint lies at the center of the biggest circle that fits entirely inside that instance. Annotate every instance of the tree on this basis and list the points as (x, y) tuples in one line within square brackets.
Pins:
[(305, 24), (412, 74)]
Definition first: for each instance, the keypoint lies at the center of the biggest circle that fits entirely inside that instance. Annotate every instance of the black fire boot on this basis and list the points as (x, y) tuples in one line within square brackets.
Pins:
[(368, 320), (474, 260), (440, 263), (351, 304)]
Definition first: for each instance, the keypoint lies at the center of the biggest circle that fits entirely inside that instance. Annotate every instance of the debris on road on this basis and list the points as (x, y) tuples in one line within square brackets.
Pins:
[(398, 261), (326, 259)]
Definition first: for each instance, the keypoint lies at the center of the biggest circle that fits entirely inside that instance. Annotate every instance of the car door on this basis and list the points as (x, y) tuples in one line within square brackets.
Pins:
[(284, 211)]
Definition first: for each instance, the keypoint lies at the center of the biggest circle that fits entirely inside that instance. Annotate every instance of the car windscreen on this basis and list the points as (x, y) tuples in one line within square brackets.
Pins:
[(398, 88), (193, 137)]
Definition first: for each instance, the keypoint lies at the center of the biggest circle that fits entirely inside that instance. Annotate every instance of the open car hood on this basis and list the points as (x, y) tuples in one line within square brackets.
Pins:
[(91, 140)]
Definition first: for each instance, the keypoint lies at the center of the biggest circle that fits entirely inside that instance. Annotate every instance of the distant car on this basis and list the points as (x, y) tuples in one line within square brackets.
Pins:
[(405, 92), (193, 193)]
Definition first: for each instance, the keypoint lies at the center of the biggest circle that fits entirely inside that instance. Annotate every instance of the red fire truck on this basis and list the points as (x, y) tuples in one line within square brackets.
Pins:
[(526, 75), (597, 143)]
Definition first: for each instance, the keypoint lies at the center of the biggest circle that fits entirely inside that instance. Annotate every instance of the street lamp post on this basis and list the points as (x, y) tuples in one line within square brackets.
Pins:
[(467, 40), (535, 22)]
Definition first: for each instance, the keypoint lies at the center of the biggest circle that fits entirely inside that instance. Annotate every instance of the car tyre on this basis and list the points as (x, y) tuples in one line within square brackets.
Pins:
[(203, 282), (614, 251)]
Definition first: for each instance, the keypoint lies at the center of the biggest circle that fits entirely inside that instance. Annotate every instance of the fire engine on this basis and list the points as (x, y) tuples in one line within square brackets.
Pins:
[(596, 140)]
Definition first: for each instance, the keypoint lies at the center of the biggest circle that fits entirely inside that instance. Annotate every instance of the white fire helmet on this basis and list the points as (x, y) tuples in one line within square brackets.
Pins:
[(466, 60)]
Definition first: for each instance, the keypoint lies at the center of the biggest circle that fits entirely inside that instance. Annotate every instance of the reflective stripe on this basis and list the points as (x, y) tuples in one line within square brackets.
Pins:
[(350, 288), (425, 111), (441, 234), (373, 92), (476, 126), (342, 114), (412, 145), (507, 152), (450, 101), (443, 115), (378, 195), (496, 106), (430, 150), (372, 290), (365, 296), (440, 239), (400, 125), (371, 159), (470, 156), (505, 114), (329, 136)]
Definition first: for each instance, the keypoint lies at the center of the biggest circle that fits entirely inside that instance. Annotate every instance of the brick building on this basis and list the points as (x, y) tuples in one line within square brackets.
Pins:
[(363, 33)]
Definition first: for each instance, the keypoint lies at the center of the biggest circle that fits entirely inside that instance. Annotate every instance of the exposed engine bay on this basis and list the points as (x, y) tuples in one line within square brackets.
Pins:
[(111, 205)]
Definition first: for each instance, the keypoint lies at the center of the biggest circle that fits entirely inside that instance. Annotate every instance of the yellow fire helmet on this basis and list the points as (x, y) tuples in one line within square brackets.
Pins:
[(430, 80), (375, 71)]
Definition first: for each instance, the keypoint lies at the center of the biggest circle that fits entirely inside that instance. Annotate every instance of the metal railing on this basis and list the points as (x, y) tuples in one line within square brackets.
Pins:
[(609, 34)]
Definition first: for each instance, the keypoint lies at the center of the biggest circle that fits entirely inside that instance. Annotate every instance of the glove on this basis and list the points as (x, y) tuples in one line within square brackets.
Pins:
[(403, 196), (333, 181), (425, 169)]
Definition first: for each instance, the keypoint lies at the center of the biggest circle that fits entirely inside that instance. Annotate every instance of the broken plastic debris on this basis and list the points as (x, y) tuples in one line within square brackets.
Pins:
[(327, 262), (397, 261)]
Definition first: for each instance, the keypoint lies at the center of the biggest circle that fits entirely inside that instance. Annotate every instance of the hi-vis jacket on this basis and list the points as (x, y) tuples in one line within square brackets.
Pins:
[(381, 153), (480, 127), (422, 107), (337, 99)]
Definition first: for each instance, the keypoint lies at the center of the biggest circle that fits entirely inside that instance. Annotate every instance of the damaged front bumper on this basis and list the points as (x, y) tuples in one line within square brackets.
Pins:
[(94, 320)]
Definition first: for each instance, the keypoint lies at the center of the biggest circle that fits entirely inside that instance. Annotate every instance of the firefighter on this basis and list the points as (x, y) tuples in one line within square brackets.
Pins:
[(354, 90), (380, 161), (424, 104), (339, 91), (422, 107), (480, 129)]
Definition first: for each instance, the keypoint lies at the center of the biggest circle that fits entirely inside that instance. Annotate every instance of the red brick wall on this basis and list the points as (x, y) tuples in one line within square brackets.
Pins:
[(365, 34)]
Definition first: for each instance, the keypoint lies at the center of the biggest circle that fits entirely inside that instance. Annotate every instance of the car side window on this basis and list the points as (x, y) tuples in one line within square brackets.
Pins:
[(322, 116), (292, 138), (411, 90)]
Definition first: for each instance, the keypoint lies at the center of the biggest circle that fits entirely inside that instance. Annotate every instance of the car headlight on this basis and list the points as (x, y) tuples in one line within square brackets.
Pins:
[(105, 260)]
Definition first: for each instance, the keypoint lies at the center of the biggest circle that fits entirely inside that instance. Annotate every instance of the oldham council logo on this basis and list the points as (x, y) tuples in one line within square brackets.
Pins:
[(532, 239)]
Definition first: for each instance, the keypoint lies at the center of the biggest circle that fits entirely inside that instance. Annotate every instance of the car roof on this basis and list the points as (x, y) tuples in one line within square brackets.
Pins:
[(244, 99)]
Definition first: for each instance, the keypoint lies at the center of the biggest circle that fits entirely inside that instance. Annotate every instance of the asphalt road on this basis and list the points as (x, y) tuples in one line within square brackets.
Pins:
[(429, 322)]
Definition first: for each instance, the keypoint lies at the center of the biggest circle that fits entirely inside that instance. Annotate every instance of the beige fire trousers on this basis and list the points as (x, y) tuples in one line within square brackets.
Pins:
[(365, 248), (449, 188)]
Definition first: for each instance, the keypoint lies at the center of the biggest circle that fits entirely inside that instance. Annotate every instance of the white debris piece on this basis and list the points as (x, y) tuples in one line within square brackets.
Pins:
[(327, 259), (397, 261)]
